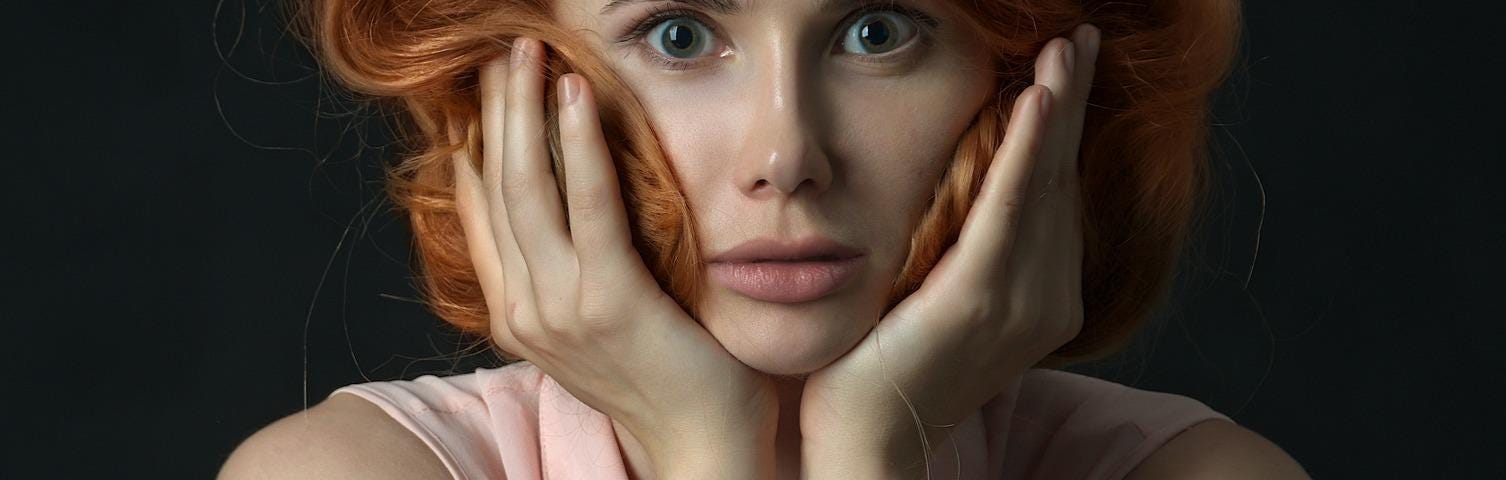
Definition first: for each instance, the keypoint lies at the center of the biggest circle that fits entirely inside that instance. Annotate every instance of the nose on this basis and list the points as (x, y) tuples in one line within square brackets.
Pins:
[(780, 154)]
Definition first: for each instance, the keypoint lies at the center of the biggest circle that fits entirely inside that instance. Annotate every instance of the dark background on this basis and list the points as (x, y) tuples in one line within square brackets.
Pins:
[(192, 252)]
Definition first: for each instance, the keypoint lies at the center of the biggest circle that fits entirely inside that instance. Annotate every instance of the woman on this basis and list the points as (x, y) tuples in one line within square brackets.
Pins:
[(739, 239)]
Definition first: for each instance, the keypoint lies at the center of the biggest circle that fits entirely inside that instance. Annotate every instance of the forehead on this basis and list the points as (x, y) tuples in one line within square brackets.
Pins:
[(729, 7)]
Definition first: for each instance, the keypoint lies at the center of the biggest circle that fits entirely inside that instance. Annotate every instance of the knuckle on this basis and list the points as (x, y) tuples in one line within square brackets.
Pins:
[(1021, 326), (512, 92), (564, 325), (1021, 318), (599, 310), (986, 311), (591, 200), (496, 94), (527, 331), (491, 173), (572, 135), (514, 185), (552, 322), (554, 328)]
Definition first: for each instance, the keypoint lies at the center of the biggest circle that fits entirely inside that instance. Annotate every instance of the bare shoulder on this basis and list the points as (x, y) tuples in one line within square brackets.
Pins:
[(1219, 449), (342, 437)]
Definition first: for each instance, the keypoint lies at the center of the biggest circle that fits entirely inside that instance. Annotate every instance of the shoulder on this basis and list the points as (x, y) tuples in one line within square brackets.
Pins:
[(1060, 417), (341, 437), (1076, 404), (430, 426), (1218, 449)]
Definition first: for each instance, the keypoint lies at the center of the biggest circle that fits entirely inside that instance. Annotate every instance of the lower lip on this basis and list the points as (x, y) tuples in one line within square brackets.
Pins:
[(786, 282)]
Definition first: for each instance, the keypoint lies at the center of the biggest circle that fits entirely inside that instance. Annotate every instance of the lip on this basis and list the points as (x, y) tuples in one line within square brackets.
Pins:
[(768, 248), (797, 271)]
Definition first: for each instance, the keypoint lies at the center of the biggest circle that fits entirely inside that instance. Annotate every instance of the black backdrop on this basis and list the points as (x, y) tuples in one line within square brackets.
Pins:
[(192, 252)]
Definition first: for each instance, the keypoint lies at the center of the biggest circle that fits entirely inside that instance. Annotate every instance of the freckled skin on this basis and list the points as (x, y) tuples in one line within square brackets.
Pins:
[(778, 130)]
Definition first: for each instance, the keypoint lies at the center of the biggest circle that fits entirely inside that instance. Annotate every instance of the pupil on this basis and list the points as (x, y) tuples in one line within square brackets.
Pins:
[(679, 36), (876, 33)]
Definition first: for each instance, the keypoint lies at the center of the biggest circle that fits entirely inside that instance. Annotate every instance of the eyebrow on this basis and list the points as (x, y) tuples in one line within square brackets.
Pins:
[(724, 7)]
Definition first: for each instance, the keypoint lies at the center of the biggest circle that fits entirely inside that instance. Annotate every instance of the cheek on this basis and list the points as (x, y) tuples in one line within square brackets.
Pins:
[(899, 147), (699, 141), (889, 138), (884, 140)]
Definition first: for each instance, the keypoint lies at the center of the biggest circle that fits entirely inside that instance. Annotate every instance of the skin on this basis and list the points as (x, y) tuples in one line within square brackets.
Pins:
[(796, 145), (799, 145), (781, 161)]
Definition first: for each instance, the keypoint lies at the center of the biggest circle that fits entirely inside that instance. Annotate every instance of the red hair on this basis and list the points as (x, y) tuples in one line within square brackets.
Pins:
[(1143, 159)]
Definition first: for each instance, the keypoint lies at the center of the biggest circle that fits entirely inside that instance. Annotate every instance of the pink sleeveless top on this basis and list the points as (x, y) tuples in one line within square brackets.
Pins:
[(515, 422)]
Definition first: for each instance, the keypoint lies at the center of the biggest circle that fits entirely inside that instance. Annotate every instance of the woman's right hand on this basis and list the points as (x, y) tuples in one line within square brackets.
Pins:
[(579, 303)]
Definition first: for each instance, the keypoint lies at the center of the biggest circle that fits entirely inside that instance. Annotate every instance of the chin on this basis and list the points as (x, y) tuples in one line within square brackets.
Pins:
[(790, 339)]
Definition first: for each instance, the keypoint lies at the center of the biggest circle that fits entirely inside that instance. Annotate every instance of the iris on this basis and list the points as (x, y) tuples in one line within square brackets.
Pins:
[(680, 38), (878, 33)]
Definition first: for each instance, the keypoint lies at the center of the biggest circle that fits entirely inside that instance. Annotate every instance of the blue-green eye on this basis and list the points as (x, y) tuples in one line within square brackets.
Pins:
[(879, 32), (682, 37)]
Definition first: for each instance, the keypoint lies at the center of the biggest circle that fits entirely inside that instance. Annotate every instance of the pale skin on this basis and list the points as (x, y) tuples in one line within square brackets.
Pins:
[(796, 145)]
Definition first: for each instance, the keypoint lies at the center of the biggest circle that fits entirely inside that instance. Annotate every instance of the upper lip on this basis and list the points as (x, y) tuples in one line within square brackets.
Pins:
[(768, 248)]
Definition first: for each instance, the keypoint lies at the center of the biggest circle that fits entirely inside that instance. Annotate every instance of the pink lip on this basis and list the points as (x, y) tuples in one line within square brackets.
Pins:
[(786, 271)]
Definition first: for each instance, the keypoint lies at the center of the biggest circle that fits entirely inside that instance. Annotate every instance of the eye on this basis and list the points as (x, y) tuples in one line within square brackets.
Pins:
[(675, 38), (879, 32), (680, 38)]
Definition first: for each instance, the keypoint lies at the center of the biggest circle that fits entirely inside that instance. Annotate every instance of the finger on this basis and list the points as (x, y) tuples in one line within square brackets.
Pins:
[(471, 207), (1051, 242), (598, 219), (990, 228), (1053, 68), (1069, 224), (518, 304), (528, 185), (1086, 37), (493, 80)]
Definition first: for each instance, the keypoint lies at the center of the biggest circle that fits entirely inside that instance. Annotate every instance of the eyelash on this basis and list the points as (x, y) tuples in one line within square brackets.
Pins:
[(925, 25)]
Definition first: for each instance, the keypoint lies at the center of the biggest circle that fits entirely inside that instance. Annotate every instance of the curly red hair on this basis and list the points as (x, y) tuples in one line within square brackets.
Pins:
[(1143, 161)]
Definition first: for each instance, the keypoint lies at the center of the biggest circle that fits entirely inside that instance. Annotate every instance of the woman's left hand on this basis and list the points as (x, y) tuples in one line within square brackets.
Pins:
[(1008, 293)]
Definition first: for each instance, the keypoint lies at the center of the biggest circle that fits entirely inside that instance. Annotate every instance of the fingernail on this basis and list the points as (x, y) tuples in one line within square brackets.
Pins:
[(519, 50), (569, 89)]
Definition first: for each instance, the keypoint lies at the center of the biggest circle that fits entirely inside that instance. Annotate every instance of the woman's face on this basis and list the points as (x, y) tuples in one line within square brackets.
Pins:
[(788, 122)]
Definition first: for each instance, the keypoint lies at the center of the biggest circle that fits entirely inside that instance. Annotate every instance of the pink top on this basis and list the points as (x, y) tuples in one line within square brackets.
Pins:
[(515, 422)]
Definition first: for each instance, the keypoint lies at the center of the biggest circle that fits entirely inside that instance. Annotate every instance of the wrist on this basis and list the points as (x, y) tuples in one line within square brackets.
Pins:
[(740, 458), (741, 451), (899, 454), (847, 465)]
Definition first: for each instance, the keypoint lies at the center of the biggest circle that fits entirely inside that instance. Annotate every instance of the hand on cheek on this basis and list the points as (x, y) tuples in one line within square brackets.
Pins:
[(578, 302), (1007, 294)]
